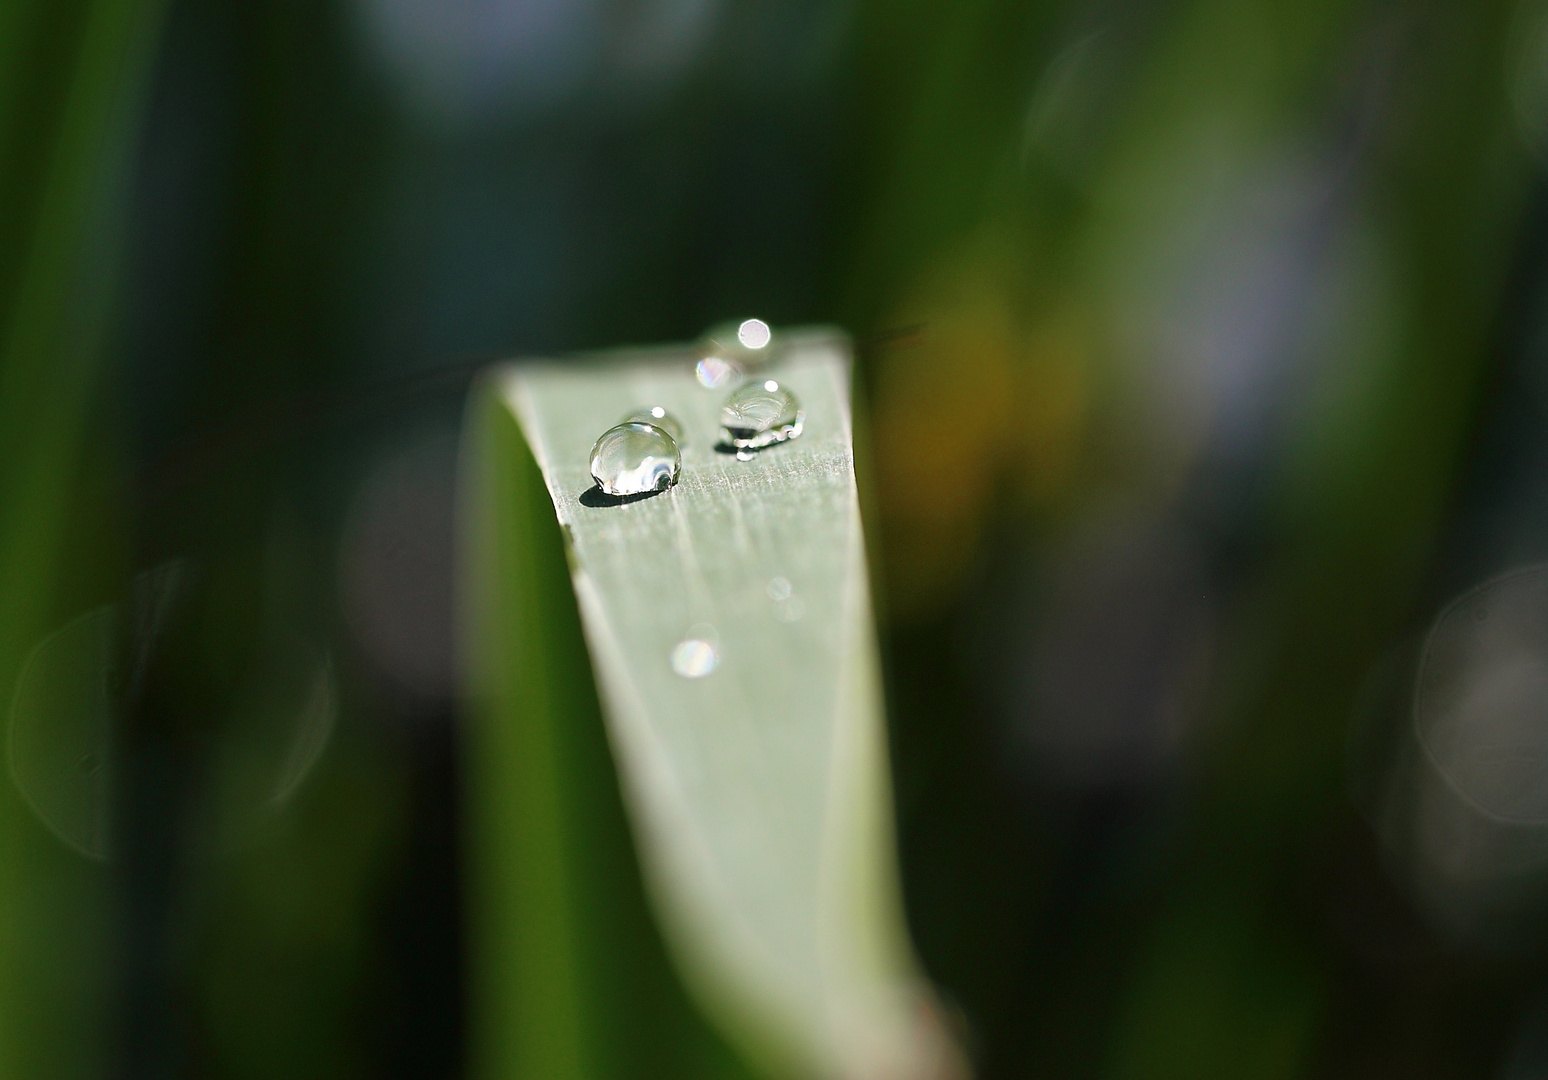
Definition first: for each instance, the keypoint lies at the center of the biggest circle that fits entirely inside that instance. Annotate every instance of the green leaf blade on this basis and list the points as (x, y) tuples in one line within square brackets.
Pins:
[(758, 794)]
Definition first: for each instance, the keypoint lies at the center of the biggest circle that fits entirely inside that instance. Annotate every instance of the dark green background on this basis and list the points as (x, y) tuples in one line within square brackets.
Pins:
[(1201, 359)]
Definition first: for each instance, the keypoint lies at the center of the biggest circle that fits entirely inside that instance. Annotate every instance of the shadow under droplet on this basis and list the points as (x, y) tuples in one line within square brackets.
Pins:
[(596, 497)]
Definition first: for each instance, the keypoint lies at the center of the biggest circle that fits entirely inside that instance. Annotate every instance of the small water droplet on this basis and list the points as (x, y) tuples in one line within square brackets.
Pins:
[(728, 349), (754, 333), (714, 372), (779, 588), (694, 658), (759, 415), (634, 458), (656, 416)]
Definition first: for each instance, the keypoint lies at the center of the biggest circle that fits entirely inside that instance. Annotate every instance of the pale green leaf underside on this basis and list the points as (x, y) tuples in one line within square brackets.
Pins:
[(759, 794)]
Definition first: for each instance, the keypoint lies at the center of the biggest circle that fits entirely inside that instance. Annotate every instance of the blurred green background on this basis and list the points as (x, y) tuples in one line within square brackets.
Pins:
[(1204, 366)]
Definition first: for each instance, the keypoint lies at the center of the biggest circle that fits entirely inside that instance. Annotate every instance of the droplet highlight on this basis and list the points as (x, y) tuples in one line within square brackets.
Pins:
[(634, 458), (754, 334), (760, 414), (729, 349), (657, 416), (694, 658)]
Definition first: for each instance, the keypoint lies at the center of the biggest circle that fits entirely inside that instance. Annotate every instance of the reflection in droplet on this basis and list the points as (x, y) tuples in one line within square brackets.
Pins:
[(779, 588), (657, 416), (694, 658), (754, 333), (759, 415), (635, 458)]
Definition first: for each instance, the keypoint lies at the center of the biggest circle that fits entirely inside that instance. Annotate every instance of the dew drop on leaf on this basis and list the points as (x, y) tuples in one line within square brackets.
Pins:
[(760, 414), (634, 458)]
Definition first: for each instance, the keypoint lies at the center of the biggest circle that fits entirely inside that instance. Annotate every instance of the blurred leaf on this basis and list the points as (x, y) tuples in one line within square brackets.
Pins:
[(72, 77)]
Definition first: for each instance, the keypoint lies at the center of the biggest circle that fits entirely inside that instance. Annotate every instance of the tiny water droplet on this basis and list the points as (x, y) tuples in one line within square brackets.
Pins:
[(694, 658), (634, 458), (713, 372), (787, 605), (656, 416), (759, 415)]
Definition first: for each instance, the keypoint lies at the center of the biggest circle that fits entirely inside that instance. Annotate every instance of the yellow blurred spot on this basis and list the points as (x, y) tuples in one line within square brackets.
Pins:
[(1052, 405), (945, 406)]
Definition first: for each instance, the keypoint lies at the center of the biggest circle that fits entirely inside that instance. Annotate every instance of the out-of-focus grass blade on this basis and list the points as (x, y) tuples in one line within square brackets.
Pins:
[(72, 78), (757, 795)]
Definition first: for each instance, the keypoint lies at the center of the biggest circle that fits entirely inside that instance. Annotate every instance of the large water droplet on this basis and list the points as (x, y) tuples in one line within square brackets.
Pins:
[(656, 416), (760, 414), (634, 458)]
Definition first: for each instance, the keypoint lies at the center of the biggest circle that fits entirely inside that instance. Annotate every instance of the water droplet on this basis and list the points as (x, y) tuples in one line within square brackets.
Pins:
[(714, 372), (760, 414), (656, 416), (754, 333), (787, 605), (694, 658), (634, 458), (729, 349)]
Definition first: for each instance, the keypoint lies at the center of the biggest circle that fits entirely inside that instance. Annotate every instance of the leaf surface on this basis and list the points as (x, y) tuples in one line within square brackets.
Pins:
[(757, 794)]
